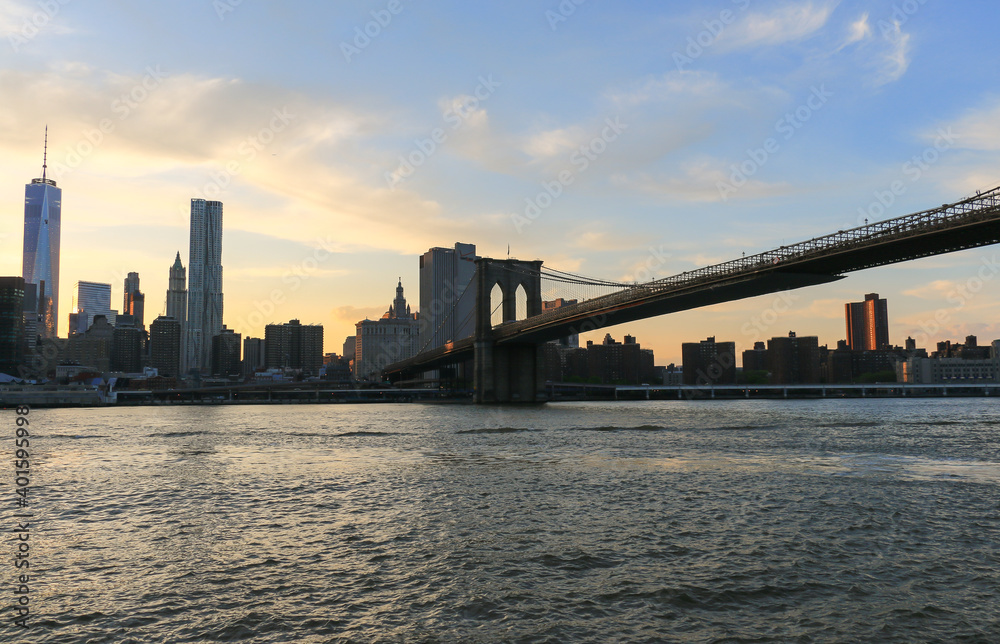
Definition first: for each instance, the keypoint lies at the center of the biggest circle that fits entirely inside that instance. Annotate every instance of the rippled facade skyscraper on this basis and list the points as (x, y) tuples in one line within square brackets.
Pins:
[(40, 258), (204, 310)]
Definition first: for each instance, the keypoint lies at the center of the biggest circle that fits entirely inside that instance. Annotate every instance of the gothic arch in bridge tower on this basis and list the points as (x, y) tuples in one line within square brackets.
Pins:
[(508, 372)]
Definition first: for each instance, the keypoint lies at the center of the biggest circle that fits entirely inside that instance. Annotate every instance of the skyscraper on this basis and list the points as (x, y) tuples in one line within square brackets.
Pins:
[(447, 294), (867, 324), (11, 324), (177, 292), (204, 308), (40, 259), (90, 299), (165, 346), (135, 301)]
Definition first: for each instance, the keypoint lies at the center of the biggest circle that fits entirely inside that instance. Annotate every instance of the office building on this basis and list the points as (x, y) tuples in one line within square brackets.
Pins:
[(165, 346), (12, 341), (253, 356), (709, 362), (90, 299), (92, 348), (867, 324), (204, 308), (393, 337), (40, 258), (226, 354), (447, 295), (127, 344), (294, 346), (134, 302), (177, 291)]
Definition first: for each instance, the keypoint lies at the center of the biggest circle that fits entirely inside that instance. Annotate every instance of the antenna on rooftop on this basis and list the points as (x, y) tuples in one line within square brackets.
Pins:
[(45, 153)]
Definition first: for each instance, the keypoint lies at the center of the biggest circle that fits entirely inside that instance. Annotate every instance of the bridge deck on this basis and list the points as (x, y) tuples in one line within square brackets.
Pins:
[(970, 223)]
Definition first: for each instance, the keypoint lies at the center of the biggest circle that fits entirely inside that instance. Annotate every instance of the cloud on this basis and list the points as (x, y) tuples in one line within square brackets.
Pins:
[(702, 180), (354, 314), (977, 129), (858, 31), (270, 154), (895, 60), (936, 290), (22, 21), (791, 23)]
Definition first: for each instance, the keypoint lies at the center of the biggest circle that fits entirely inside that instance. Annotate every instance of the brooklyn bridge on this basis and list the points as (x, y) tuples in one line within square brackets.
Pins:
[(507, 366)]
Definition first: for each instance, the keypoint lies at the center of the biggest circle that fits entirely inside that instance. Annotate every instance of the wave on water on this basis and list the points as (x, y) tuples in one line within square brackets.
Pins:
[(179, 434), (364, 433), (614, 428), (496, 430)]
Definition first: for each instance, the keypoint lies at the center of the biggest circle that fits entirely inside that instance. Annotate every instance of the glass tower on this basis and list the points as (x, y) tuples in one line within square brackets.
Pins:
[(40, 259), (204, 310)]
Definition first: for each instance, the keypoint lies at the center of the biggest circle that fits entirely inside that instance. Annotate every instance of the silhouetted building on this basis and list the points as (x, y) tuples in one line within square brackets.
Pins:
[(393, 337), (793, 360), (226, 354), (165, 346), (294, 346), (755, 359), (253, 356), (126, 345), (93, 347), (619, 362), (12, 340), (447, 295), (868, 324), (134, 302), (709, 362)]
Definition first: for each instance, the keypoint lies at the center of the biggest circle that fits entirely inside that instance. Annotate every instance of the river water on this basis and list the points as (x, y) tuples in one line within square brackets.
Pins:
[(676, 521)]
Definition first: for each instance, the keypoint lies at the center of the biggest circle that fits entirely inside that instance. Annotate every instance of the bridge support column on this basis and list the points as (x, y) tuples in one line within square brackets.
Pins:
[(506, 373)]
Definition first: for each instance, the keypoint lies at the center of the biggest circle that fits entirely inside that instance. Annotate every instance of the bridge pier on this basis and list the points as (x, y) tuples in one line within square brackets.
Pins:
[(507, 373)]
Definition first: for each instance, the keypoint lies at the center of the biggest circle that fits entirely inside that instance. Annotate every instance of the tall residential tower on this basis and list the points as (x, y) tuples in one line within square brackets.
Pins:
[(40, 259), (204, 310)]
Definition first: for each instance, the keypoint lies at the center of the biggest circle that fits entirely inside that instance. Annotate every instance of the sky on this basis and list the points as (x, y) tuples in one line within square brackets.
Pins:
[(624, 141)]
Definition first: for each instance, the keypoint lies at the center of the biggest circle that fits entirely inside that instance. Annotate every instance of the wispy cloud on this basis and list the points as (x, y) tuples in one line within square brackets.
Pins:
[(858, 31), (895, 60), (790, 23)]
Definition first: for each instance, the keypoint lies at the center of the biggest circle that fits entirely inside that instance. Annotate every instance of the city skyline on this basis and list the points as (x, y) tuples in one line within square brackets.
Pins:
[(688, 139)]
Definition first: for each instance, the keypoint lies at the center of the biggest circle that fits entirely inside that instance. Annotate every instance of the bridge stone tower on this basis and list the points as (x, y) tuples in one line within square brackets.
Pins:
[(507, 372)]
